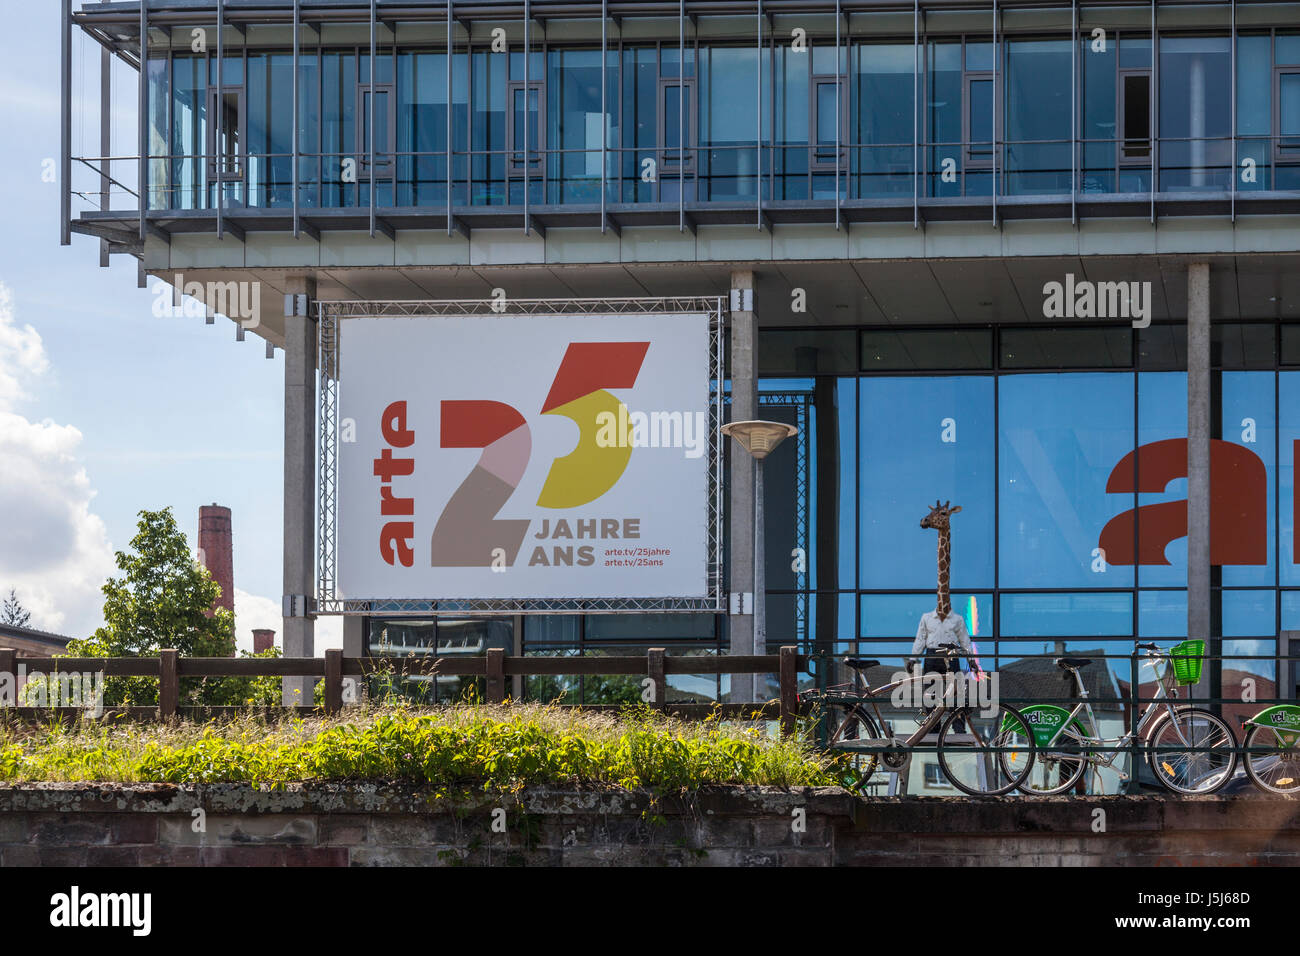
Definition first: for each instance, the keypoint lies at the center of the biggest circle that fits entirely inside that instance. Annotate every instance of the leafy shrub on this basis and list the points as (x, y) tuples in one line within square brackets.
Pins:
[(495, 747)]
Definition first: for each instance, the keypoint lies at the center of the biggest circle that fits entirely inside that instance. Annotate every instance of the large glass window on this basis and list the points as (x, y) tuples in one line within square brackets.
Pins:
[(729, 131), (925, 439), (885, 120), (1038, 154), (1195, 112), (1060, 436)]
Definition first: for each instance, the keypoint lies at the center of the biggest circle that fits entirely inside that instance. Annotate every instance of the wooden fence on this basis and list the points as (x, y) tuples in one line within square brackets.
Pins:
[(495, 667)]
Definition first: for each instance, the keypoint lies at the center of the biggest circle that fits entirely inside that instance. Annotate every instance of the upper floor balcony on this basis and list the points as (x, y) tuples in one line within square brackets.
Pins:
[(305, 115)]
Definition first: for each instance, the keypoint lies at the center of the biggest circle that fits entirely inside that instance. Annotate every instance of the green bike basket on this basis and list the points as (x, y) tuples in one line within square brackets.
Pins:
[(1187, 658)]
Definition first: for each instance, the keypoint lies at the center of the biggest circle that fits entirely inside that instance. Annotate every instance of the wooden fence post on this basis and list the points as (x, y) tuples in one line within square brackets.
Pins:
[(333, 681), (8, 665), (789, 663), (654, 667), (169, 688), (496, 675)]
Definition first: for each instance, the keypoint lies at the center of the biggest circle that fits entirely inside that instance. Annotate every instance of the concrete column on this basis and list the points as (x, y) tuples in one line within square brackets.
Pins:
[(299, 490), (1198, 451), (354, 636), (743, 372)]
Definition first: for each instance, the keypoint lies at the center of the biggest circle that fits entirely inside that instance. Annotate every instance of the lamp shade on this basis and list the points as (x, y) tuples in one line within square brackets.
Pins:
[(759, 438)]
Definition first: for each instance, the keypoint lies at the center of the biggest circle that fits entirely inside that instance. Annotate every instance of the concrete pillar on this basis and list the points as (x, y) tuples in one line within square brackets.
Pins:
[(743, 371), (1198, 451), (299, 490), (354, 636)]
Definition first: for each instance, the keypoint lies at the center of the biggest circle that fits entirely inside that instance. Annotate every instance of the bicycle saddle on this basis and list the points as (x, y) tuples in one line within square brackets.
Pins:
[(861, 663), (1065, 663)]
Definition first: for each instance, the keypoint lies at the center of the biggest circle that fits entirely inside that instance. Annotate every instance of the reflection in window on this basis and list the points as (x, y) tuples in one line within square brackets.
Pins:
[(1067, 615), (925, 438), (1059, 438), (1195, 112)]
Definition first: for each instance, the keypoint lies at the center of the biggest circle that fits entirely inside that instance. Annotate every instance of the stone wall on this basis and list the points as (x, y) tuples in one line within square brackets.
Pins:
[(368, 825)]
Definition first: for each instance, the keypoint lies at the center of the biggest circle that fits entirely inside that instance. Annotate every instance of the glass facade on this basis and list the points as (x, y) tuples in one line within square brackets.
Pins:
[(706, 111), (1042, 435), (1061, 545)]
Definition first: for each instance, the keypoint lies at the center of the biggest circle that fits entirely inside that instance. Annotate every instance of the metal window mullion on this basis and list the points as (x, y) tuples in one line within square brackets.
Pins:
[(604, 110), (681, 106), (65, 124), (527, 91), (143, 109), (1232, 109), (296, 145), (1154, 122), (758, 114), (839, 111), (997, 56), (105, 144), (219, 120), (451, 99), (916, 107), (1075, 112), (370, 116)]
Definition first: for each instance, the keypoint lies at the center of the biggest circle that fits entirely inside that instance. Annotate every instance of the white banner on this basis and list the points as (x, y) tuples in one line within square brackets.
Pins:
[(529, 457)]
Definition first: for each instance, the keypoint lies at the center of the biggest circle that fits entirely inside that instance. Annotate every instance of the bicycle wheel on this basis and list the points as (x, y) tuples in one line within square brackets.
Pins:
[(1191, 752), (1056, 769), (853, 723), (1277, 772), (969, 745)]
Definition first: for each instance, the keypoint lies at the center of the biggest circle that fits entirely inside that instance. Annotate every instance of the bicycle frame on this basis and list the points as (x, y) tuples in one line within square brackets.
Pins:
[(1162, 702), (872, 695)]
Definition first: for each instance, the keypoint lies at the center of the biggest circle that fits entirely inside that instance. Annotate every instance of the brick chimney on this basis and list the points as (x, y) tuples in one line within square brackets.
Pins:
[(217, 550), (263, 639)]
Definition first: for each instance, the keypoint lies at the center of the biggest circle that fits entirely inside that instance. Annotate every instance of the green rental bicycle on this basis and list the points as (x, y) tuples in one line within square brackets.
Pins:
[(1189, 750), (1272, 749)]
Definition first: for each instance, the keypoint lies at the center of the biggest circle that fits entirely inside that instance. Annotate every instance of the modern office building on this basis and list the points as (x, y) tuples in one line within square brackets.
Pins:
[(1040, 259)]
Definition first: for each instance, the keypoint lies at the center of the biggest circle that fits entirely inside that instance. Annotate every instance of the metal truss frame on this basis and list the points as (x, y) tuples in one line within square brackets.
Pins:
[(330, 314), (802, 403)]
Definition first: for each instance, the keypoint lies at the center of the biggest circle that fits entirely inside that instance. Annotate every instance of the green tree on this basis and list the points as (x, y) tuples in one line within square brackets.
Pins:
[(13, 612), (162, 599)]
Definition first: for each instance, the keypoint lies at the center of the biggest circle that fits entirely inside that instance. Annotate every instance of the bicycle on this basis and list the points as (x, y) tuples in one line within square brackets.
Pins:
[(967, 738), (1272, 749), (1189, 750)]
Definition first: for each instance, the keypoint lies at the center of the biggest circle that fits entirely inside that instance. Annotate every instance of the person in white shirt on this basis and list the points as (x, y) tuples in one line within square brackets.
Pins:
[(932, 633)]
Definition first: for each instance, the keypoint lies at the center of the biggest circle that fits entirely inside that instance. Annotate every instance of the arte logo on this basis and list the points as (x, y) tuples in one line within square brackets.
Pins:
[(1238, 505), (468, 532)]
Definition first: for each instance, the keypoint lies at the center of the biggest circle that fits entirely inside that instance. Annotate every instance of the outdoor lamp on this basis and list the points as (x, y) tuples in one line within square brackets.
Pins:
[(760, 440)]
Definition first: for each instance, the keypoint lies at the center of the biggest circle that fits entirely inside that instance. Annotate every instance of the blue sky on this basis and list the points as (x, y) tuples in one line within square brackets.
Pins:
[(106, 409)]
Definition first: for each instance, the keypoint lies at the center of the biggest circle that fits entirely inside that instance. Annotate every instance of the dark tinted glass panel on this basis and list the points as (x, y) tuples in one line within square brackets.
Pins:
[(1067, 348), (1291, 344), (643, 627), (1137, 116), (806, 352), (1248, 345), (887, 350), (1163, 348)]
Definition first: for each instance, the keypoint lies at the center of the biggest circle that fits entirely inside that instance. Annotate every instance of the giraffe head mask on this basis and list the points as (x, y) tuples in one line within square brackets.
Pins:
[(939, 518)]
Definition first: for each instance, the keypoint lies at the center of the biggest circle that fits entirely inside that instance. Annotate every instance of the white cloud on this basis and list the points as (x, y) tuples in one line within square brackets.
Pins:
[(22, 356), (253, 611), (53, 550)]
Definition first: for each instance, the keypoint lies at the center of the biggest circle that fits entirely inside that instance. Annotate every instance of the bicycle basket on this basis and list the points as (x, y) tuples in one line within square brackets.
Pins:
[(1187, 658)]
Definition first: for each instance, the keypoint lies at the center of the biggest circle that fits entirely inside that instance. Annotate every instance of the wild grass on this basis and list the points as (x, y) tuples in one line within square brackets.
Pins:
[(475, 745)]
